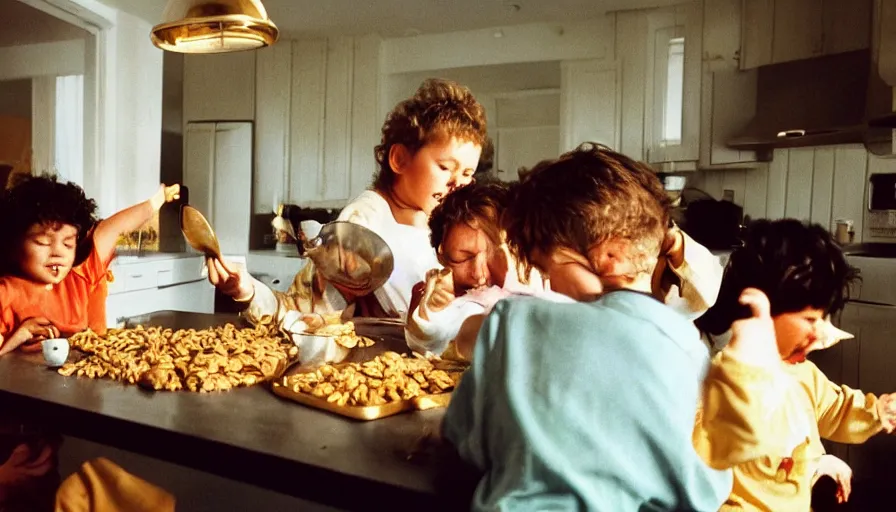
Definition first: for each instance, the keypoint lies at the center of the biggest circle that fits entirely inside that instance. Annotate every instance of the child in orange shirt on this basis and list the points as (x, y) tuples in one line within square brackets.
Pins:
[(53, 271), (56, 260)]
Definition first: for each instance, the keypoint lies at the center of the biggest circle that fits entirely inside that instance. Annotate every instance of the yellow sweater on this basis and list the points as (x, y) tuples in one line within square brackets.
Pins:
[(775, 453)]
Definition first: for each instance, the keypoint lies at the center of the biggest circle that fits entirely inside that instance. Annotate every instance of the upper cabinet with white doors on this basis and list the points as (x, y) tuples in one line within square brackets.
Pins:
[(777, 31), (590, 102), (672, 100), (659, 52), (317, 123), (728, 94), (682, 92)]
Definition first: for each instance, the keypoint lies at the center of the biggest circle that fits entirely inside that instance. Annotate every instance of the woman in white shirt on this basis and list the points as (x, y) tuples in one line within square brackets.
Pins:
[(431, 144)]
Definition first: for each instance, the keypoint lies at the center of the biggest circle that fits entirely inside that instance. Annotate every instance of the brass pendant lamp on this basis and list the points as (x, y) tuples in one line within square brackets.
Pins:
[(214, 26)]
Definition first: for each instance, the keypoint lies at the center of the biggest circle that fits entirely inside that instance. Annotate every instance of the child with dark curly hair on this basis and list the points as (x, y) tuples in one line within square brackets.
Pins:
[(806, 278), (56, 256), (53, 271)]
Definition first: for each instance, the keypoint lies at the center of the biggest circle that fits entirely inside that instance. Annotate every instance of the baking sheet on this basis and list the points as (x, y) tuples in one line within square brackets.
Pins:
[(362, 412), (388, 336)]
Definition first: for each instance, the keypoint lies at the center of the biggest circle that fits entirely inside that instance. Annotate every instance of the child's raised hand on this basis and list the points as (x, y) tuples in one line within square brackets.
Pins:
[(753, 338), (165, 194), (886, 410)]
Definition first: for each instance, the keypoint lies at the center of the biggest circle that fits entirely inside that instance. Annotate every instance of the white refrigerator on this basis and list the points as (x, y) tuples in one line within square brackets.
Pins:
[(218, 172)]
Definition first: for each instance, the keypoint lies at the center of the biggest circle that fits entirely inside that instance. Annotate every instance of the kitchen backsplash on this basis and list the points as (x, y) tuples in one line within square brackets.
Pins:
[(820, 184)]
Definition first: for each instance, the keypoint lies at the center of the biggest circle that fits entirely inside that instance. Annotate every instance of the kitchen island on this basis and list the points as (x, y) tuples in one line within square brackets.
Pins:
[(247, 434)]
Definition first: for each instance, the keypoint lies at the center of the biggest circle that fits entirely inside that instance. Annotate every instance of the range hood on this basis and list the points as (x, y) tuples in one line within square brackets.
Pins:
[(814, 102)]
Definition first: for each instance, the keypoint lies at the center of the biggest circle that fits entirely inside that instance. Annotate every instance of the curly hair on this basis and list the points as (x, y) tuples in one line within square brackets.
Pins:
[(439, 109), (479, 205), (587, 196), (796, 265), (43, 200)]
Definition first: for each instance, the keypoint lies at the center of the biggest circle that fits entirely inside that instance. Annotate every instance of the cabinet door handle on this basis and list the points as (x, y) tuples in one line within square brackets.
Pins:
[(136, 276)]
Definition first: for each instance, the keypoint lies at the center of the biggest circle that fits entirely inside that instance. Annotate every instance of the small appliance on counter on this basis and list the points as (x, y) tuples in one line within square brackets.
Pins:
[(882, 205), (287, 229)]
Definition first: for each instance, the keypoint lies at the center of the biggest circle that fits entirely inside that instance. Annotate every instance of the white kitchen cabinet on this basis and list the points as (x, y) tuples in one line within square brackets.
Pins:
[(317, 121), (273, 81), (728, 94), (336, 170), (776, 31), (590, 103), (866, 364), (797, 30), (309, 83), (846, 25), (673, 81), (157, 283), (218, 173)]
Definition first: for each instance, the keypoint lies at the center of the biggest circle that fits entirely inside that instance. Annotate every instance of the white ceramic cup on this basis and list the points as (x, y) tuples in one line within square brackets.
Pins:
[(55, 351)]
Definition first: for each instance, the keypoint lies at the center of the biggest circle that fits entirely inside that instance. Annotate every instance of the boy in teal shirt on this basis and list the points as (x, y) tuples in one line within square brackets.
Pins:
[(591, 405)]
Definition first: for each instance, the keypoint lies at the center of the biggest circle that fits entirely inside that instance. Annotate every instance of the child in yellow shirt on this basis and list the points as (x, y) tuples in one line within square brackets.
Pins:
[(806, 278)]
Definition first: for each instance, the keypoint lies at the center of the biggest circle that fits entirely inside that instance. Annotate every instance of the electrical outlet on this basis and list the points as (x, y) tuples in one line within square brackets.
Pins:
[(728, 195)]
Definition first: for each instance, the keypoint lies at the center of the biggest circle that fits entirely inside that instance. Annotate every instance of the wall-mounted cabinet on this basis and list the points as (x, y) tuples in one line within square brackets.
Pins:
[(673, 80), (682, 92), (776, 31), (316, 111), (728, 94), (590, 103)]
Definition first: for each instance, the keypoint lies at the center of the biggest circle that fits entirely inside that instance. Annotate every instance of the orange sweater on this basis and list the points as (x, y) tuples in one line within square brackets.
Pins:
[(78, 302)]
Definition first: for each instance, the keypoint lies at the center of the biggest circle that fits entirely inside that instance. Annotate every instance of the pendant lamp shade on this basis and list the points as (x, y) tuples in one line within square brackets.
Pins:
[(206, 26)]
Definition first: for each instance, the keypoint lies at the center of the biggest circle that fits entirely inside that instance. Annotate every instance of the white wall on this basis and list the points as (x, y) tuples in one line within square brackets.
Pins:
[(821, 184), (126, 169), (589, 39), (219, 87), (42, 59)]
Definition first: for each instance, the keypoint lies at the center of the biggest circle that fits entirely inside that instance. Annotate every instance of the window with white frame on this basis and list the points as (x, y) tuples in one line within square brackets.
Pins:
[(674, 92)]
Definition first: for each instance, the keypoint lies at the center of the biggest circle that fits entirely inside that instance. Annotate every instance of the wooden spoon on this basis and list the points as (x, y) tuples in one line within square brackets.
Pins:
[(200, 235)]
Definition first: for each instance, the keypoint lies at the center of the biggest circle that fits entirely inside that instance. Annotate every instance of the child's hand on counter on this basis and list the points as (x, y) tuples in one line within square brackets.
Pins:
[(886, 410), (753, 338), (164, 195), (28, 335)]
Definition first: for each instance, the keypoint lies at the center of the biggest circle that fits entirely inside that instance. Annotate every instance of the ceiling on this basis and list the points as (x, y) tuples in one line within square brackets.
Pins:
[(22, 24), (393, 18)]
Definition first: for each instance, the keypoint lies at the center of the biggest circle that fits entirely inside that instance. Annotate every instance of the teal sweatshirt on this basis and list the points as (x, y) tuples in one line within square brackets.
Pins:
[(585, 406)]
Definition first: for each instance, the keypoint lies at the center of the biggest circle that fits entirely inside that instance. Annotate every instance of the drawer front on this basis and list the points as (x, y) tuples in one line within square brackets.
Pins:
[(184, 270), (140, 277)]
